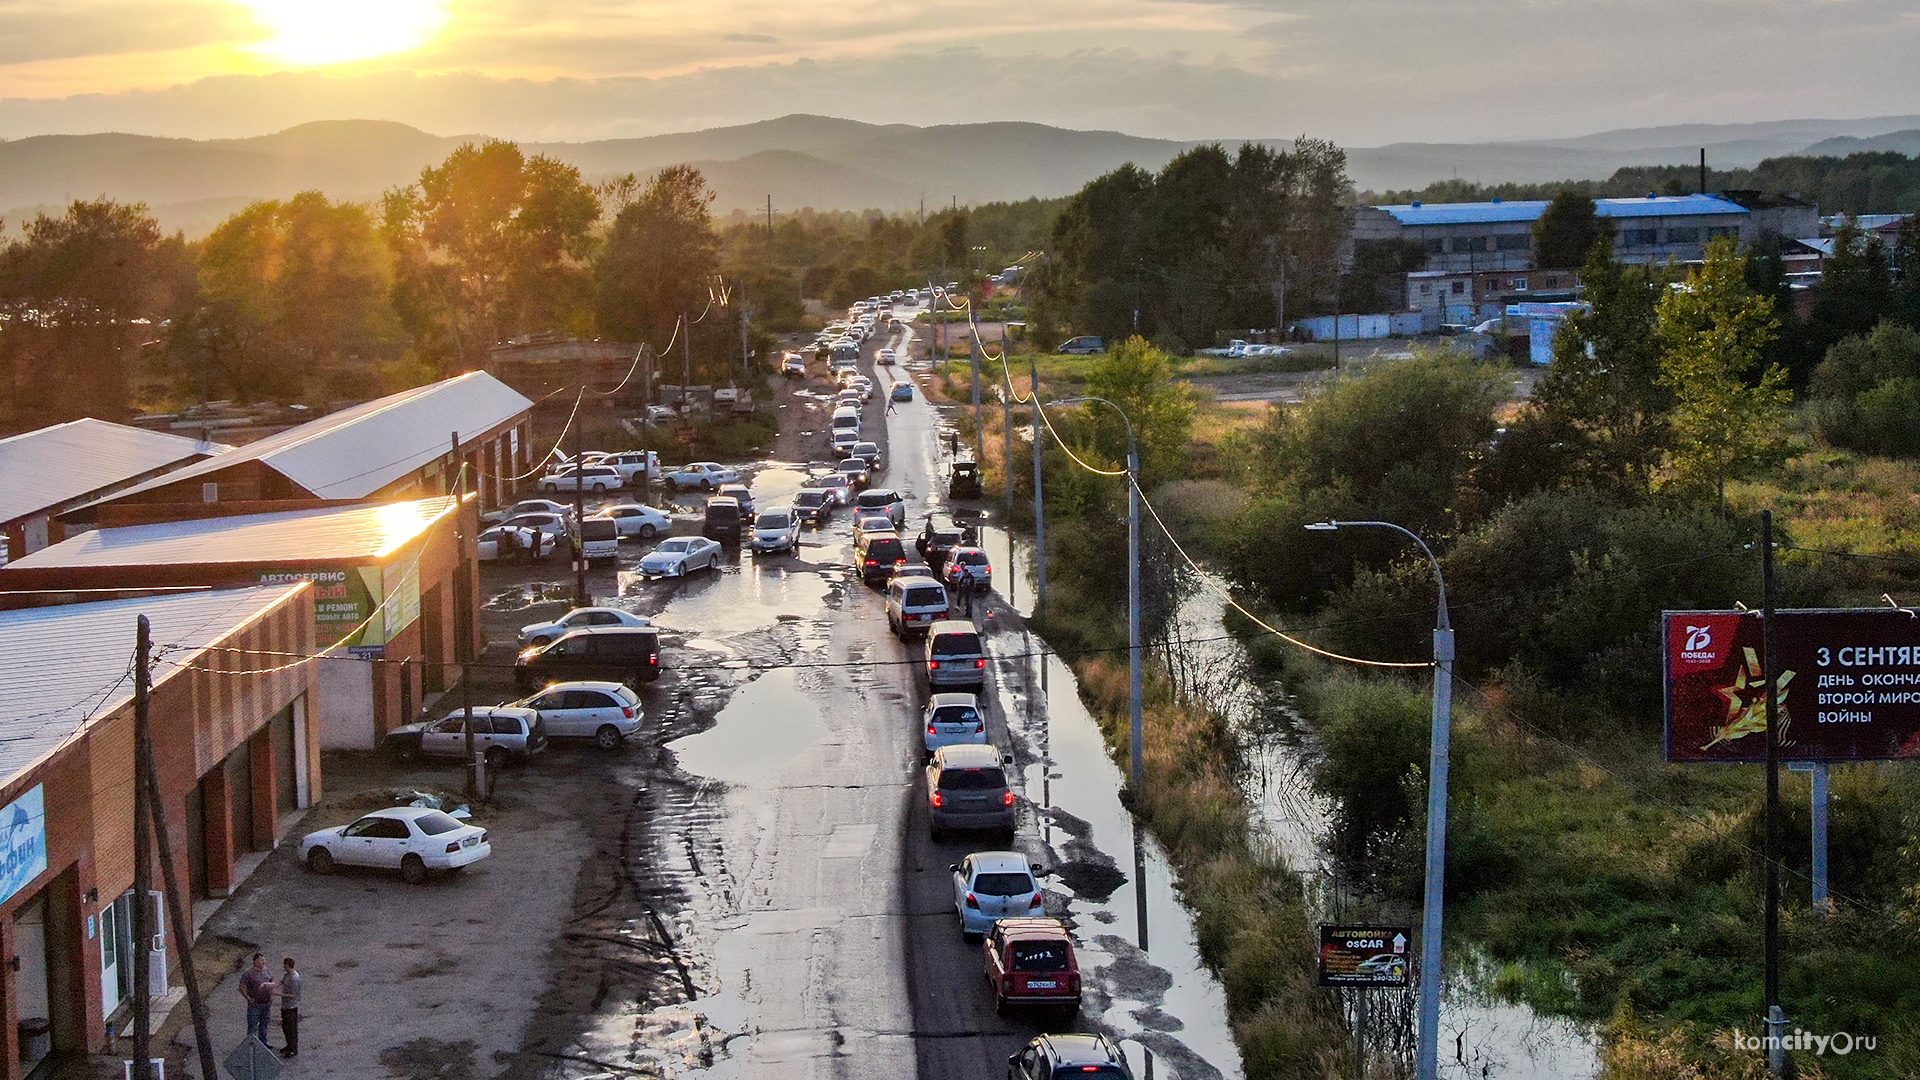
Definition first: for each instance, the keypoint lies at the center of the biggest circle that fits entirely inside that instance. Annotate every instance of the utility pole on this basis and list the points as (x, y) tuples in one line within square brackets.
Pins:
[(746, 373), (1039, 503), (1776, 1020), (686, 377), (1006, 420), (769, 217), (142, 855), (464, 642), (580, 598)]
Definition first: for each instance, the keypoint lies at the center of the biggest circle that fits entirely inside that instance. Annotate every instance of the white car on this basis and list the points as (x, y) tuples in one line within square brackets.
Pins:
[(845, 440), (706, 475), (952, 719), (864, 523), (487, 546), (609, 713), (542, 632), (411, 839), (836, 487), (992, 885), (661, 414), (884, 356), (642, 465), (547, 523), (776, 530), (530, 506), (634, 519), (794, 364), (679, 555), (598, 479)]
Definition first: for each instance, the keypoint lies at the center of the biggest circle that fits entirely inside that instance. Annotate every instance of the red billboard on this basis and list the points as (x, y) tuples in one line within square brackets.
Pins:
[(1849, 685)]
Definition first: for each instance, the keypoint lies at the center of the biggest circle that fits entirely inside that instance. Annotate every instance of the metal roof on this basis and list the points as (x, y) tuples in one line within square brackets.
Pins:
[(68, 664), (355, 452), (55, 465), (342, 534), (1526, 210)]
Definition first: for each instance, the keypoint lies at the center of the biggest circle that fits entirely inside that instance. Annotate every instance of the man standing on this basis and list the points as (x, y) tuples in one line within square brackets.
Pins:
[(290, 1009), (257, 987)]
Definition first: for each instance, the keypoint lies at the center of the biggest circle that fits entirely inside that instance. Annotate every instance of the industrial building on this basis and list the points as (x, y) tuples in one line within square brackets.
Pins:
[(236, 756), (396, 589), (1498, 236), (47, 472), (1466, 297)]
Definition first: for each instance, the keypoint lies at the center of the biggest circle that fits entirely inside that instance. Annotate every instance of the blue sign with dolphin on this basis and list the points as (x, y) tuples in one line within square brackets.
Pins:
[(23, 844)]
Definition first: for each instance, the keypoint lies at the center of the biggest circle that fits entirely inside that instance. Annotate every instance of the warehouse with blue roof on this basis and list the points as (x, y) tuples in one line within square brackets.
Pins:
[(1497, 235)]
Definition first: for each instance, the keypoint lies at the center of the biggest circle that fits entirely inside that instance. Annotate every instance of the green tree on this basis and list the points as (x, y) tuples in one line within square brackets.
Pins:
[(1568, 231), (1854, 293), (660, 261), (1712, 334), (1866, 394), (1140, 380)]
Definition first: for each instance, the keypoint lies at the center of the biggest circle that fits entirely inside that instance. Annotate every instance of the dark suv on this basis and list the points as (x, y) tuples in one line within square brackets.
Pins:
[(1092, 1056), (877, 554), (628, 654), (723, 521), (939, 536)]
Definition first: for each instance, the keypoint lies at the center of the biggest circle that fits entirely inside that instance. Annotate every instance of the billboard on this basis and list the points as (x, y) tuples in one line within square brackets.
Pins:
[(1849, 685), (23, 843), (1373, 956)]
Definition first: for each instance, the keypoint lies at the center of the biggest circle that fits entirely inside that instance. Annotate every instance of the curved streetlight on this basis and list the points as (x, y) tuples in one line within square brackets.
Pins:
[(1428, 1063), (1136, 739)]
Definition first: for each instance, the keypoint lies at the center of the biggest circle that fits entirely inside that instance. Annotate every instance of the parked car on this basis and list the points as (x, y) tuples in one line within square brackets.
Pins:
[(680, 555), (955, 656), (969, 562), (1030, 961), (868, 452), (542, 632), (914, 604), (1047, 1056), (967, 789), (963, 480), (876, 554), (855, 470), (813, 505), (992, 885), (902, 391), (866, 521), (625, 653), (530, 506), (501, 733), (609, 713), (661, 414), (702, 474), (555, 524), (635, 520), (776, 530), (723, 520), (938, 537), (491, 544), (599, 539), (597, 479), (1084, 345), (952, 720), (635, 467), (414, 840), (882, 501), (741, 494)]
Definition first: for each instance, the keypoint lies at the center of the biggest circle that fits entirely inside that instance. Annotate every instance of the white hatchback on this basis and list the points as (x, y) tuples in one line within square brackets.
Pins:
[(609, 713), (411, 839), (952, 720), (992, 885)]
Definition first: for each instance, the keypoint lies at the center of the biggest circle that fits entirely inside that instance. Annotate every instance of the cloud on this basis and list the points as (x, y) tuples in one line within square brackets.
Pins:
[(41, 31), (764, 39)]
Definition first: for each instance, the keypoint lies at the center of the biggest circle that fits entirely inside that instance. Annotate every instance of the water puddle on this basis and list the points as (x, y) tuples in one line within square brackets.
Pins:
[(767, 724), (516, 597)]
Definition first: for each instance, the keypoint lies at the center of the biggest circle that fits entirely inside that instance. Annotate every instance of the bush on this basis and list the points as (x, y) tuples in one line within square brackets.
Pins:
[(1865, 395)]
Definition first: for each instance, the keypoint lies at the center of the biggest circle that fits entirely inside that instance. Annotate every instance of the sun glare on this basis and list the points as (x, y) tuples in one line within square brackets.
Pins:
[(315, 32)]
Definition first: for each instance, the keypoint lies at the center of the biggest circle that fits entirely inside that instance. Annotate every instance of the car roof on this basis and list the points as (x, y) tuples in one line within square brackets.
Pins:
[(1078, 1049), (723, 500), (402, 813), (953, 626), (888, 493), (1030, 929), (968, 756), (999, 862), (951, 698), (587, 684), (608, 630)]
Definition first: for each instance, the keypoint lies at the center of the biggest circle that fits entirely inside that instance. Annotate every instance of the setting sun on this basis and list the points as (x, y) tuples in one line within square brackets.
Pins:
[(339, 31)]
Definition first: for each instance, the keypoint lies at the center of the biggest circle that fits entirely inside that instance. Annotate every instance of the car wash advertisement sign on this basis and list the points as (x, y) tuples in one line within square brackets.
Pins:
[(23, 844), (1849, 685)]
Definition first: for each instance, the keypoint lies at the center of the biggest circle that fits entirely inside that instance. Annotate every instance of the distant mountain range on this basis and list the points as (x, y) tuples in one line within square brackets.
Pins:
[(823, 162)]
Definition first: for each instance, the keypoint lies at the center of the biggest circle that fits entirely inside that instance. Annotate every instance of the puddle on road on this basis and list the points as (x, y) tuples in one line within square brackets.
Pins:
[(767, 724), (517, 597)]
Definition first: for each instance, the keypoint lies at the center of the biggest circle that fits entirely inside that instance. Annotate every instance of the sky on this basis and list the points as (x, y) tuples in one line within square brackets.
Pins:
[(1361, 72)]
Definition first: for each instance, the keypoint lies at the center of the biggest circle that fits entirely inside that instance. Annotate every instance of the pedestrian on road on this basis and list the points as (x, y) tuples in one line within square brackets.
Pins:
[(963, 586), (889, 401), (257, 986), (290, 1009)]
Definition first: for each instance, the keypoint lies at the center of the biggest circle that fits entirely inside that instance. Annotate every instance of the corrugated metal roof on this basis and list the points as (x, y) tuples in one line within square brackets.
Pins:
[(325, 533), (66, 665), (57, 464), (1523, 210), (355, 452)]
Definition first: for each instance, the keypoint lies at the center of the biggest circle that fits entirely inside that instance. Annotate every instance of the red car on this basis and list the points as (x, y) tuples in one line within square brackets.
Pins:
[(1031, 962)]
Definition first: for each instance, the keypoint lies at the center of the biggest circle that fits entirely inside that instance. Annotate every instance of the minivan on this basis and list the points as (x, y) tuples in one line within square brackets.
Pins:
[(914, 603), (967, 789), (877, 554), (626, 654), (723, 521), (846, 418), (882, 501), (599, 539), (955, 656)]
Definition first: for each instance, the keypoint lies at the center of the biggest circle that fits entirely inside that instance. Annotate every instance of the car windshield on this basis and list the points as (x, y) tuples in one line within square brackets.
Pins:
[(1002, 884), (875, 500), (833, 481), (956, 645), (810, 498), (774, 520), (672, 546), (1040, 956), (435, 823), (972, 779)]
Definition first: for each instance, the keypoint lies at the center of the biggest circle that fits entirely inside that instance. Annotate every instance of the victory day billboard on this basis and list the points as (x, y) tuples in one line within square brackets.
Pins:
[(1849, 685)]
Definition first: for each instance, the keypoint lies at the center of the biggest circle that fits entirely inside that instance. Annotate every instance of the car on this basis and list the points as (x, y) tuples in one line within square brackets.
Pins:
[(882, 501), (846, 418), (723, 520), (1390, 964), (542, 632), (492, 544), (813, 506), (967, 789), (741, 494), (776, 530), (992, 885), (868, 452), (836, 486), (884, 356), (1085, 345), (955, 655), (849, 398), (876, 554), (626, 653), (679, 555), (845, 440), (914, 603), (865, 522), (939, 536), (970, 562), (702, 474), (855, 470), (952, 720), (530, 506), (793, 364), (599, 539), (903, 391), (609, 713), (501, 733), (414, 840), (636, 467), (598, 479), (1031, 961), (549, 523), (661, 414), (963, 480), (1092, 1056), (635, 520)]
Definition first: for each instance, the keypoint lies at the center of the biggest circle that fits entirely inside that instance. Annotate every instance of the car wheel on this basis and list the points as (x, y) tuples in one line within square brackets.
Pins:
[(608, 737), (598, 489), (647, 530), (413, 870), (551, 489), (541, 640), (1000, 1004), (706, 485), (496, 759), (320, 861)]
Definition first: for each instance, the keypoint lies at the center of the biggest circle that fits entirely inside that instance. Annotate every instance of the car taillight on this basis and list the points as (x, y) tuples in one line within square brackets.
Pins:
[(1006, 798), (986, 569), (626, 711), (933, 665), (1037, 901), (654, 660), (982, 662), (930, 730), (980, 727), (453, 848), (973, 902), (873, 562), (939, 799), (483, 838)]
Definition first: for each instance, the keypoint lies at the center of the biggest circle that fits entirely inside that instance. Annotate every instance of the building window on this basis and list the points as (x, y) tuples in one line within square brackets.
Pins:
[(1426, 288), (1465, 244), (1714, 232), (1688, 235), (1459, 287), (1641, 237), (1519, 284), (1436, 246), (1515, 242), (1550, 283)]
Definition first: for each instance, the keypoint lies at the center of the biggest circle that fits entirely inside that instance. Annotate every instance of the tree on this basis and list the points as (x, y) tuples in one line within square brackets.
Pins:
[(1854, 293), (1906, 265), (1568, 231), (1140, 380), (1712, 334), (660, 260), (1866, 394)]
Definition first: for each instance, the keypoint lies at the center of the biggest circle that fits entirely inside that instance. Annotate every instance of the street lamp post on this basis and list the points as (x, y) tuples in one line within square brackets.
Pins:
[(1428, 1064), (1136, 738)]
